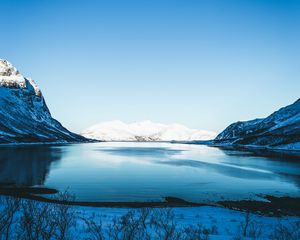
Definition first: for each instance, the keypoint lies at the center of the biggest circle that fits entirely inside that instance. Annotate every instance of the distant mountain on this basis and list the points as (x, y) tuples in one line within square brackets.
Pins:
[(144, 131), (280, 130), (24, 115)]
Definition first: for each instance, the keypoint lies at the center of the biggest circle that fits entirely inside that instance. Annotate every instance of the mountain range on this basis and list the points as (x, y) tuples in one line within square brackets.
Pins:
[(144, 131), (25, 118)]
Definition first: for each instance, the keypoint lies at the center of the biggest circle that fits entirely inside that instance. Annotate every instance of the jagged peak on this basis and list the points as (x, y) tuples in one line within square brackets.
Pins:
[(10, 77), (7, 69)]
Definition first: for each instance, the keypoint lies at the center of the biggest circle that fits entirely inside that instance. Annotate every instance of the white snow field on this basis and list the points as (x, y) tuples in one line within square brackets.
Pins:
[(144, 131), (213, 223), (222, 223)]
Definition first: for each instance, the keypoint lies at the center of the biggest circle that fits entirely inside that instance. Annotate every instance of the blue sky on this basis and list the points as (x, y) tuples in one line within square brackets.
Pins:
[(204, 64)]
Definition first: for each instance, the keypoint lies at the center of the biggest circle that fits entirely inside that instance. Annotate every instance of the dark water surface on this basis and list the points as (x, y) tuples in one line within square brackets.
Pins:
[(149, 171)]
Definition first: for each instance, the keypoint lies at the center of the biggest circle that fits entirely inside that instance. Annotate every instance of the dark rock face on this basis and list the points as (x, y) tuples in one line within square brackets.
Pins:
[(279, 130), (24, 115)]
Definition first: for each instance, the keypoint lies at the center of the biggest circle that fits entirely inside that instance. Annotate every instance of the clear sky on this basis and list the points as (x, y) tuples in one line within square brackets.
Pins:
[(204, 64)]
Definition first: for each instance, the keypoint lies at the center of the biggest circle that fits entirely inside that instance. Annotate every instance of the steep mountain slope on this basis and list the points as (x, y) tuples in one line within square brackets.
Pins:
[(24, 115), (144, 131), (279, 130)]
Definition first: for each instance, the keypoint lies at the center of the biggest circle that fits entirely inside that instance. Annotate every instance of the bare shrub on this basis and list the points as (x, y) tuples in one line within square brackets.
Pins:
[(31, 220), (195, 233), (146, 224), (37, 221), (163, 223), (131, 226), (214, 230), (94, 229), (249, 228), (64, 216), (46, 221), (286, 232), (10, 207)]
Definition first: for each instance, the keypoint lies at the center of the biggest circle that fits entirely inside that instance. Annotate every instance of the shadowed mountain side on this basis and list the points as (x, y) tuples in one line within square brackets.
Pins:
[(280, 130), (24, 115)]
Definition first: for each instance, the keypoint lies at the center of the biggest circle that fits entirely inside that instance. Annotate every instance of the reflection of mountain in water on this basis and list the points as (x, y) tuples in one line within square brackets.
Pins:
[(285, 166), (27, 165), (142, 151)]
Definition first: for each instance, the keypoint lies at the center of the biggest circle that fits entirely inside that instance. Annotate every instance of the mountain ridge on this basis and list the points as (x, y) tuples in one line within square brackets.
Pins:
[(24, 115), (280, 130), (144, 131)]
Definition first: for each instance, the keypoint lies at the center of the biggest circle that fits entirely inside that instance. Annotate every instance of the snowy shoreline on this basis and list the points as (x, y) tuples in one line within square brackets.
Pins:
[(208, 222), (263, 204), (208, 143)]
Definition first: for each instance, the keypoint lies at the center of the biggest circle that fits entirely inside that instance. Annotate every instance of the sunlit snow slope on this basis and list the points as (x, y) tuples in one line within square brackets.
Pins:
[(144, 131)]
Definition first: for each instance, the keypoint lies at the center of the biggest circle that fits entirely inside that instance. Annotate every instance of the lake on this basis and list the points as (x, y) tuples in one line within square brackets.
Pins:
[(148, 171)]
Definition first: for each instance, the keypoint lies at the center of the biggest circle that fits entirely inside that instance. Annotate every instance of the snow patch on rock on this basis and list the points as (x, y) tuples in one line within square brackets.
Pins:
[(10, 77), (24, 115)]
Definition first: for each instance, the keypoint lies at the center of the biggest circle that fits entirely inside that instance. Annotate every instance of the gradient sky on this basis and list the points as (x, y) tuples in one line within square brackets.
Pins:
[(204, 64)]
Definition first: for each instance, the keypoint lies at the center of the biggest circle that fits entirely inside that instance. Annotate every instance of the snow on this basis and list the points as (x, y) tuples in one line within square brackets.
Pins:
[(292, 120), (35, 87), (226, 221), (11, 77), (291, 146), (279, 131), (24, 115), (7, 69), (144, 131)]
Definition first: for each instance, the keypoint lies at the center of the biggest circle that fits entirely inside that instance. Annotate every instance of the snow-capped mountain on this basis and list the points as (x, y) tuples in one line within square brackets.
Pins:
[(279, 130), (144, 131), (24, 115)]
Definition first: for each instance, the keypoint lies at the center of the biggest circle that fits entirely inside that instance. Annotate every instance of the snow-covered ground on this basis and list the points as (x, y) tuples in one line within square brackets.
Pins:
[(227, 223), (144, 131), (213, 222)]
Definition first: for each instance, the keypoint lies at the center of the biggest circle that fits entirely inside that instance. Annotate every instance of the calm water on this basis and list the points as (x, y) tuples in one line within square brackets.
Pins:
[(148, 171)]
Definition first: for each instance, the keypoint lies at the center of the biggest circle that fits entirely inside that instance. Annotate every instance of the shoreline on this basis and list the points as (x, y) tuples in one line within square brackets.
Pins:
[(44, 143), (256, 150), (209, 143), (272, 206)]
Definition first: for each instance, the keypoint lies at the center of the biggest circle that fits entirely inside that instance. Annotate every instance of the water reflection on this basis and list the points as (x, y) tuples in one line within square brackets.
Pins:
[(27, 165), (143, 151), (224, 169), (148, 171), (286, 167)]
